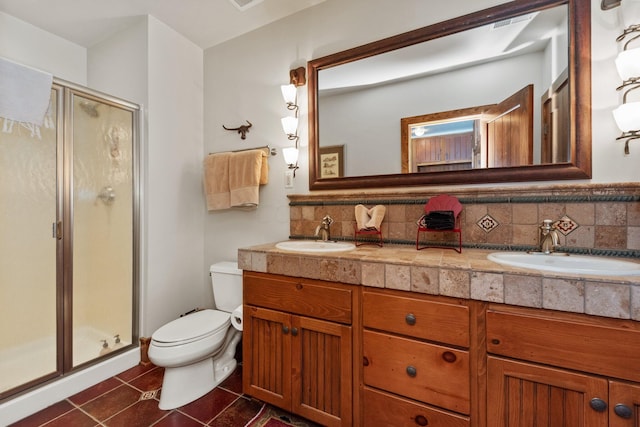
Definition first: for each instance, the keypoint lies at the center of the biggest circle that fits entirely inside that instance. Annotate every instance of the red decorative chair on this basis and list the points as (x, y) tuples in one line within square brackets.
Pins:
[(442, 202)]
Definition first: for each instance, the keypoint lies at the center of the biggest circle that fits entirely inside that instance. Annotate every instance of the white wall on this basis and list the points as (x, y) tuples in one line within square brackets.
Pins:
[(27, 44), (175, 280), (153, 65)]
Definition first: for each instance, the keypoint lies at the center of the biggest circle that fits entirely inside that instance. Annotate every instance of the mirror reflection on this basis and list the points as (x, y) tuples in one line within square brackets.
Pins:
[(493, 96)]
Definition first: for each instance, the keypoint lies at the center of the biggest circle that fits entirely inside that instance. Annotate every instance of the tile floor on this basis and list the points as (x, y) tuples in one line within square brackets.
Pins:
[(130, 399)]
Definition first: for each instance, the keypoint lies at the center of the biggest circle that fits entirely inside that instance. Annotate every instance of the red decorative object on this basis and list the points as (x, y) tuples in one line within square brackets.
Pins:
[(366, 233), (443, 202)]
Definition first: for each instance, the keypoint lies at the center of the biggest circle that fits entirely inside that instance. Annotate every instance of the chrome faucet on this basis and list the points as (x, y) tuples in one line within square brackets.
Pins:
[(549, 237), (323, 231)]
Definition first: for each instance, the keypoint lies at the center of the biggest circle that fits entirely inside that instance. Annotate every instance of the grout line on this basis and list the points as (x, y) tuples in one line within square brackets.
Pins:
[(225, 408), (91, 416), (55, 418)]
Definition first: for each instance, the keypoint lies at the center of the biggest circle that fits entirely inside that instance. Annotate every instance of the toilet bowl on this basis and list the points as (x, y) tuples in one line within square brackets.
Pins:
[(198, 350)]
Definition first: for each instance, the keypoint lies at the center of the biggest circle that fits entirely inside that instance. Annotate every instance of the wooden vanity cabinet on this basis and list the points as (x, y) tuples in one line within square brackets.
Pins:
[(547, 368), (416, 360), (297, 346)]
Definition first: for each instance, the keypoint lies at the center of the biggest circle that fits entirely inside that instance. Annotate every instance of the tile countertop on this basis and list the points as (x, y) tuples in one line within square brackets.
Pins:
[(468, 275)]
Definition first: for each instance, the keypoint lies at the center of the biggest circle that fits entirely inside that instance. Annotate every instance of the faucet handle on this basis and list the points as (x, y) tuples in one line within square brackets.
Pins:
[(547, 224)]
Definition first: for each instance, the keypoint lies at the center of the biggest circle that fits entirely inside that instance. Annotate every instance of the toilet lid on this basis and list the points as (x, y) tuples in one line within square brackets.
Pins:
[(193, 326)]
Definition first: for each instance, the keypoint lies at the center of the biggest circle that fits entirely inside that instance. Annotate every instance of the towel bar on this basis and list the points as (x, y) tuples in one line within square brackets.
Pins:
[(268, 150)]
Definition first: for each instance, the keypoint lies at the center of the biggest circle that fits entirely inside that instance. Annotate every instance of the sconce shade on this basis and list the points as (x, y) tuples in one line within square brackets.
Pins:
[(290, 125), (628, 63), (289, 93), (627, 116), (290, 155)]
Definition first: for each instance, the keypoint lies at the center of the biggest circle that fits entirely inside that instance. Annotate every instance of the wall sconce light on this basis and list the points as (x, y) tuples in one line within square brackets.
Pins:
[(627, 115), (290, 123)]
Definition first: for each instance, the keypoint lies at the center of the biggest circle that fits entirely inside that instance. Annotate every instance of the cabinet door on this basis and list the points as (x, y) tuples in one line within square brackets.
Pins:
[(521, 394), (624, 404), (267, 355), (322, 382)]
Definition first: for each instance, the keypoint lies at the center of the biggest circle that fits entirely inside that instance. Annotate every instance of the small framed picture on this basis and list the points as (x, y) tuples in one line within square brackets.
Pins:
[(331, 161)]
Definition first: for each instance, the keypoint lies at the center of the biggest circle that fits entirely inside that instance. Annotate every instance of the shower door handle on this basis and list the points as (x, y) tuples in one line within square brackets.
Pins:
[(57, 230)]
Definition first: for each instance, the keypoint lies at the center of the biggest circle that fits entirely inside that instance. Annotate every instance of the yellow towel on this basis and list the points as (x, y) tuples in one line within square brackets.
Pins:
[(216, 181), (245, 177), (264, 170)]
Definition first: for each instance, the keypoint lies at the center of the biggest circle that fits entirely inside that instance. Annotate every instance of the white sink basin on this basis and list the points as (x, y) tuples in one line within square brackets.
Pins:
[(564, 263), (315, 246)]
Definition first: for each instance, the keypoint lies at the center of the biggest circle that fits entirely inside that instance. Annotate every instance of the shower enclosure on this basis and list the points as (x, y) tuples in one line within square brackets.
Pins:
[(69, 237)]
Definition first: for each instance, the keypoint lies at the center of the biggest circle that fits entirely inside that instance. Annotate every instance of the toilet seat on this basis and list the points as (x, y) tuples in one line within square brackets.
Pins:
[(193, 327)]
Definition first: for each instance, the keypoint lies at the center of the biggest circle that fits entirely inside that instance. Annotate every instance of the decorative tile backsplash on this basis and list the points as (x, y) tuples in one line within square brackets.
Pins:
[(600, 219)]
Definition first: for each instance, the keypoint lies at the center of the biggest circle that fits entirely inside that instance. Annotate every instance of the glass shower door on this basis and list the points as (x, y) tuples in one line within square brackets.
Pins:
[(103, 222), (68, 237), (28, 247)]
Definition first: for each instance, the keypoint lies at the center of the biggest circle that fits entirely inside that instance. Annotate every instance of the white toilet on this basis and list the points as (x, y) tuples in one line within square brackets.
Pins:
[(198, 350)]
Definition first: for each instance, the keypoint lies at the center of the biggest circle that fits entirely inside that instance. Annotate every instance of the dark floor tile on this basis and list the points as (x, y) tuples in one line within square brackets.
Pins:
[(177, 419), (45, 415), (238, 414), (75, 418), (141, 414), (234, 382), (112, 402), (151, 380), (134, 372), (95, 391), (210, 405)]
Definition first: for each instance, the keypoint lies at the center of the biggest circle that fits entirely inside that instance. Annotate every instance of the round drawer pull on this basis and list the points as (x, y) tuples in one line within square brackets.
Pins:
[(365, 361), (421, 420), (412, 371), (298, 286), (598, 404), (449, 357), (285, 329), (410, 319), (495, 341), (623, 411)]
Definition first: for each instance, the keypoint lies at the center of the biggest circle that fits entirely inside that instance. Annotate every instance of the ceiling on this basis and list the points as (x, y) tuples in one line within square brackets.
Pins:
[(204, 22)]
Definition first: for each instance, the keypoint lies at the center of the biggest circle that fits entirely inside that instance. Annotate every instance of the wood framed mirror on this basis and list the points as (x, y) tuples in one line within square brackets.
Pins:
[(572, 161)]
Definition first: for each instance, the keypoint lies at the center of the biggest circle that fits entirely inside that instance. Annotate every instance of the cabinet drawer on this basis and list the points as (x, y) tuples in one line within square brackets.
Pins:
[(386, 410), (601, 346), (426, 372), (299, 296), (420, 318)]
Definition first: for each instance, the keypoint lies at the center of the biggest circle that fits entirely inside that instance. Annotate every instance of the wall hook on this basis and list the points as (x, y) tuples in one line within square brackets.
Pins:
[(242, 130)]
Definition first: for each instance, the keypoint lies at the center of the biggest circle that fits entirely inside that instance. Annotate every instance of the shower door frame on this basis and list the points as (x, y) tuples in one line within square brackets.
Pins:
[(68, 221), (63, 232)]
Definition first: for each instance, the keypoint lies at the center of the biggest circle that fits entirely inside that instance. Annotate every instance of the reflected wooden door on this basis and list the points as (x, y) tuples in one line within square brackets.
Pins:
[(509, 130)]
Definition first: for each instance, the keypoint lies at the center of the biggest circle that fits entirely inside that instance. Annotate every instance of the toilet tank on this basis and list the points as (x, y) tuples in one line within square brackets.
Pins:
[(226, 280)]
